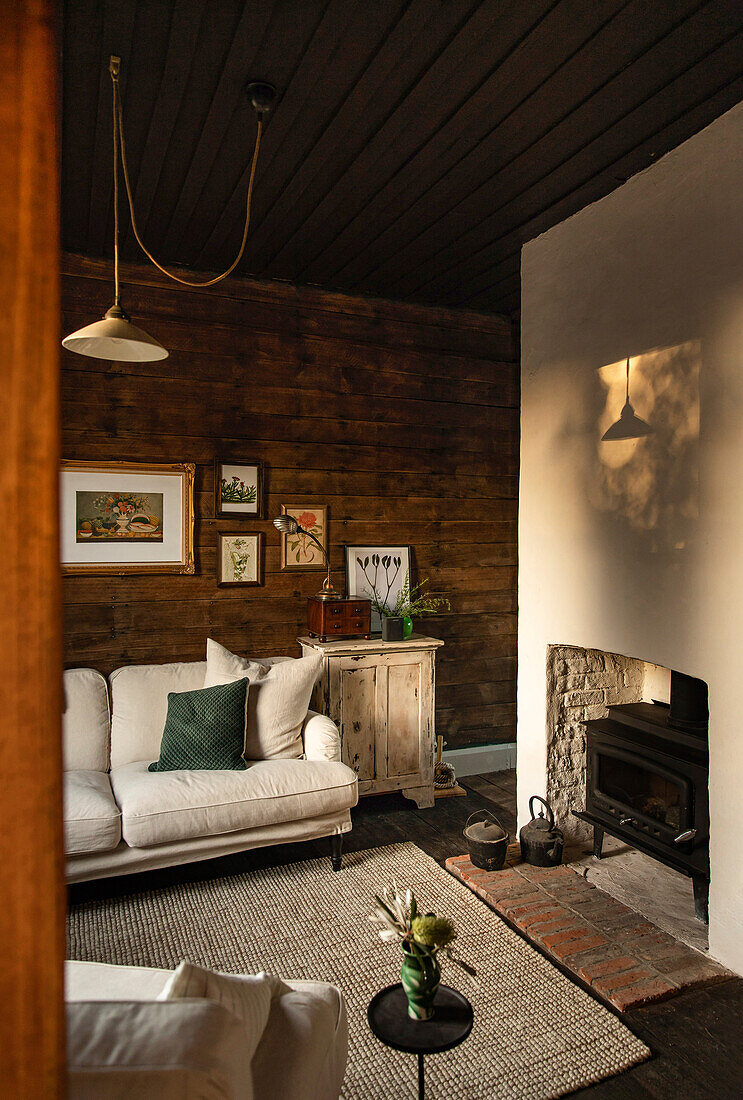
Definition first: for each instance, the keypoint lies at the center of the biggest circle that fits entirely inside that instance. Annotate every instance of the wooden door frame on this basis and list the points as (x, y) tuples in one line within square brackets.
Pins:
[(31, 841)]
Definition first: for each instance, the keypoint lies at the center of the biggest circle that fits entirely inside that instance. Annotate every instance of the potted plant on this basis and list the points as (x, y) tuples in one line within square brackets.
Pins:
[(413, 602), (381, 573), (422, 937)]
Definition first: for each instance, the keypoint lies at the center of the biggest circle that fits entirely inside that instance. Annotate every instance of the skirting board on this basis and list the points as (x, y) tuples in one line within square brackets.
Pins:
[(482, 758)]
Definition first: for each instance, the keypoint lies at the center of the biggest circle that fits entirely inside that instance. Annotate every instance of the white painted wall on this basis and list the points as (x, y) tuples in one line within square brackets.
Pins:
[(629, 557)]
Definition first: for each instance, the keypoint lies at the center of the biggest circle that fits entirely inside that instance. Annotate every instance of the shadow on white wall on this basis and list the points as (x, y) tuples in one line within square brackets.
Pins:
[(652, 483)]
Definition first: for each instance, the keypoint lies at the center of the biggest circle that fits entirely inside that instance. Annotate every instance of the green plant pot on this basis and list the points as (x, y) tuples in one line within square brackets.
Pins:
[(421, 977), (407, 626)]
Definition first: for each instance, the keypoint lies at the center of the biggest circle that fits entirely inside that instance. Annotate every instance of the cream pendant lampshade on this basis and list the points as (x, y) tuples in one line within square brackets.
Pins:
[(629, 425), (116, 338)]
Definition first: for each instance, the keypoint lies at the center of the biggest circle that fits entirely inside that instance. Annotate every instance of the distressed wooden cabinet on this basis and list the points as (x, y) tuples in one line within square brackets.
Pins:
[(381, 695)]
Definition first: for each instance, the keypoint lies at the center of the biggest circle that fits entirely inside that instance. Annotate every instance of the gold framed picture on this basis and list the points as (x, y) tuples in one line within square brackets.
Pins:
[(298, 552), (126, 517), (239, 559)]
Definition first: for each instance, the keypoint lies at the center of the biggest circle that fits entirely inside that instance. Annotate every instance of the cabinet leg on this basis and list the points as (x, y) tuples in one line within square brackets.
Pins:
[(336, 851), (422, 796), (701, 898), (598, 841)]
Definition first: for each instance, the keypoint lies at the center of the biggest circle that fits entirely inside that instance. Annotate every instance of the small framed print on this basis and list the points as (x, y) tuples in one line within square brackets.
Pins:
[(378, 573), (126, 517), (298, 552), (239, 559), (238, 488)]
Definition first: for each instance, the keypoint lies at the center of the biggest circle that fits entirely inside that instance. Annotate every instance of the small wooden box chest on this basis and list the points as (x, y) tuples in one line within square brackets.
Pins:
[(338, 618)]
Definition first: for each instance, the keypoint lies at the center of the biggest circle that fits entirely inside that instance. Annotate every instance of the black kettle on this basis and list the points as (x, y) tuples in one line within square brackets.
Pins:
[(541, 843)]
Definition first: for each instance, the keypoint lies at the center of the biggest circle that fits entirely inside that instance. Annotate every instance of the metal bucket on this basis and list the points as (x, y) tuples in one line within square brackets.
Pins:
[(487, 841)]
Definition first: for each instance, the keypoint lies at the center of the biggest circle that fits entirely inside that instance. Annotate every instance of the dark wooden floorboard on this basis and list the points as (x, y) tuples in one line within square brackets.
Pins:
[(695, 1037)]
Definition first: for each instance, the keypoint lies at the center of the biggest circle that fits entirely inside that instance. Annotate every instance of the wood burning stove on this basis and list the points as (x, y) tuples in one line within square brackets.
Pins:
[(647, 773)]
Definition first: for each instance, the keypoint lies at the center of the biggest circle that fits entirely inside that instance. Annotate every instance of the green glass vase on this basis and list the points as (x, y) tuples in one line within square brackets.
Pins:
[(407, 626), (421, 977)]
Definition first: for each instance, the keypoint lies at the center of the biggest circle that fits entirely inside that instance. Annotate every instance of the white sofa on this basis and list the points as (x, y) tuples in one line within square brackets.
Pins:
[(121, 818), (122, 1042)]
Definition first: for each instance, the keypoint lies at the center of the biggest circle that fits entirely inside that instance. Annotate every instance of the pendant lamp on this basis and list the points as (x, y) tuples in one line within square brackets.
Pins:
[(629, 425), (115, 337)]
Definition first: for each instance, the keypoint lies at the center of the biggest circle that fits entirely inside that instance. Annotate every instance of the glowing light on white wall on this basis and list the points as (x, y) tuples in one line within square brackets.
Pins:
[(653, 482)]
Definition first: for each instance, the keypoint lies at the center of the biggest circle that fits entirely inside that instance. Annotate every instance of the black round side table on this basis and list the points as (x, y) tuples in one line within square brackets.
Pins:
[(451, 1023)]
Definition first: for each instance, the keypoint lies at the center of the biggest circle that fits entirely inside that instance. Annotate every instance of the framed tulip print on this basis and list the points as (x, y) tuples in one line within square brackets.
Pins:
[(126, 517), (378, 573)]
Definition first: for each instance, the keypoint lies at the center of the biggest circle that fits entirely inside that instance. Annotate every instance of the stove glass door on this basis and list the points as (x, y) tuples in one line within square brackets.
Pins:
[(658, 800)]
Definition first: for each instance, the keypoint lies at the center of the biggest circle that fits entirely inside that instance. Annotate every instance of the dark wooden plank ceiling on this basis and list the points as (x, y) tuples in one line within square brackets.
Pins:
[(416, 145)]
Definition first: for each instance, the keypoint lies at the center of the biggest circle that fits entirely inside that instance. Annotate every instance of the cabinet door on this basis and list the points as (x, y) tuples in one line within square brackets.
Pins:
[(403, 755), (356, 689), (385, 718)]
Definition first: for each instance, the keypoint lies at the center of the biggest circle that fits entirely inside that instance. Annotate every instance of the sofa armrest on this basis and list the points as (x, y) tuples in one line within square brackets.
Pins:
[(168, 1049), (321, 737)]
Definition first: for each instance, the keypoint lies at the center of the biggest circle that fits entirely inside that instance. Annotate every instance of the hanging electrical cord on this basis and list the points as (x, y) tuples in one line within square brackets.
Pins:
[(114, 337), (119, 143)]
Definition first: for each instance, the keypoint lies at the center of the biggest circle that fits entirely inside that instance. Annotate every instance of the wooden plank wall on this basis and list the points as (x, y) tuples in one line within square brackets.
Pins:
[(403, 419)]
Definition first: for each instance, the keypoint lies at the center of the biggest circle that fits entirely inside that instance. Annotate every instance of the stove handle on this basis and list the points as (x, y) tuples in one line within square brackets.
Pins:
[(684, 837)]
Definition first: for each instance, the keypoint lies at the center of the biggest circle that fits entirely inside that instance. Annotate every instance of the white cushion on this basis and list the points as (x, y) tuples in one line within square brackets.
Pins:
[(139, 705), (158, 807), (247, 997), (304, 1048), (85, 721), (169, 1050), (92, 820), (222, 666), (280, 693)]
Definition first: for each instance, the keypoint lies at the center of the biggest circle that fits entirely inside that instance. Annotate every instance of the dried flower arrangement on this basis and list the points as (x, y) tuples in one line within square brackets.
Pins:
[(422, 937)]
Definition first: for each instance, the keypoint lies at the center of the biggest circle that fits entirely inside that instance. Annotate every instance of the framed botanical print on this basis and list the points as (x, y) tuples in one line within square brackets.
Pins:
[(239, 559), (377, 573), (298, 552), (238, 488), (126, 517)]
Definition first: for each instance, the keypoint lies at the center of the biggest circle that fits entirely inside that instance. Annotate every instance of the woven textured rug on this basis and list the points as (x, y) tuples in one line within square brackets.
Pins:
[(536, 1034)]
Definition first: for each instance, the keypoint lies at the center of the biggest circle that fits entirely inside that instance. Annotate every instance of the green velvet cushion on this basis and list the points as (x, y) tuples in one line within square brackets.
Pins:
[(205, 730)]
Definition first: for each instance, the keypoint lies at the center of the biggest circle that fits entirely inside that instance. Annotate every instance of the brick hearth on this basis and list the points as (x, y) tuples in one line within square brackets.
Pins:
[(622, 956)]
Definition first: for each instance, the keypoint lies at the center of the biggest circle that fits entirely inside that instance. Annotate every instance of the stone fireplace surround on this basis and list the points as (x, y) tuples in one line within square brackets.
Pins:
[(581, 685)]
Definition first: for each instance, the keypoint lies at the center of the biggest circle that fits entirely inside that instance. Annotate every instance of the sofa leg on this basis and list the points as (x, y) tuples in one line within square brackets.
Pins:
[(336, 850)]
